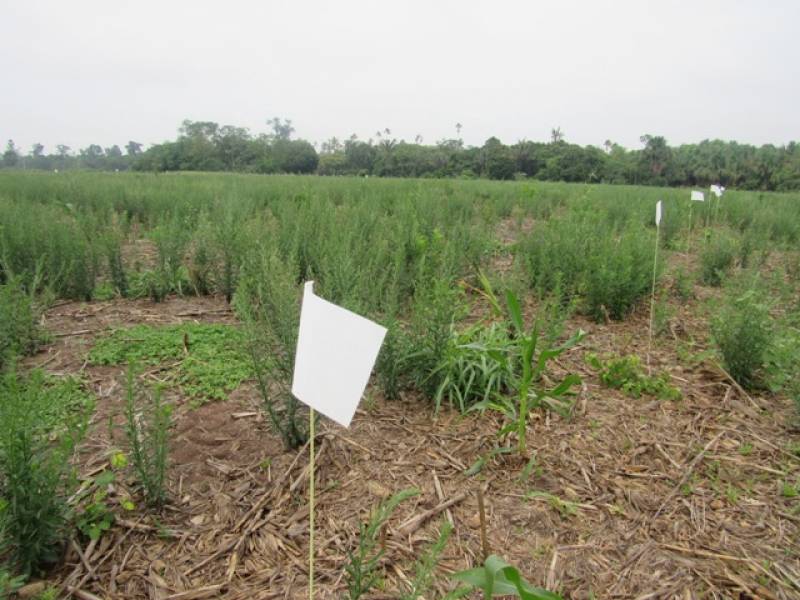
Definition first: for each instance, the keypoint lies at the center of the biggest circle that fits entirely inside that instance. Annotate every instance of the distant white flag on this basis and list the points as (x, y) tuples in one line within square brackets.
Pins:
[(717, 190), (698, 196), (658, 213), (336, 350)]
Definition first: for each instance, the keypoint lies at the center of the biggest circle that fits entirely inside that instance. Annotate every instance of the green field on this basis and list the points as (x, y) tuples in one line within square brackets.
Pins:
[(667, 435)]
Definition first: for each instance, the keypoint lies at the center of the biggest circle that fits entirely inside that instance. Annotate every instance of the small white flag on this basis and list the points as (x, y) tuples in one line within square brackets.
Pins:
[(658, 213), (336, 350), (717, 190), (698, 196)]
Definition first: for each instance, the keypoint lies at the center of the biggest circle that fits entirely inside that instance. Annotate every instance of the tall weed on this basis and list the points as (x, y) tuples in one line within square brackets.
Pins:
[(743, 333), (148, 419), (267, 302), (36, 477)]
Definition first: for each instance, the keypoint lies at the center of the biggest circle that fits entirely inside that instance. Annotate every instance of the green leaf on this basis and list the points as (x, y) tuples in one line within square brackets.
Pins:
[(105, 478), (515, 312), (498, 578)]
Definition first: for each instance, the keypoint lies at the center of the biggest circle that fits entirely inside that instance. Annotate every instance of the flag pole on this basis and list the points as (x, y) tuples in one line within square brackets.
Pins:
[(653, 299), (311, 504)]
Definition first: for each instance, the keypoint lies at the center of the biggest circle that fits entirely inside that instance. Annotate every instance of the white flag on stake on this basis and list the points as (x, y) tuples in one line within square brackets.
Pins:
[(658, 213), (336, 350), (717, 190), (698, 196)]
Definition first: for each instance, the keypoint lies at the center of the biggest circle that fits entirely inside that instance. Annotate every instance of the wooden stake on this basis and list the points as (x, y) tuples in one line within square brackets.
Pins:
[(311, 504), (482, 513), (653, 300)]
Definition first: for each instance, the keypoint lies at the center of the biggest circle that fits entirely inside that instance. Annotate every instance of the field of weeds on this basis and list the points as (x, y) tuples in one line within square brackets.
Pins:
[(536, 397)]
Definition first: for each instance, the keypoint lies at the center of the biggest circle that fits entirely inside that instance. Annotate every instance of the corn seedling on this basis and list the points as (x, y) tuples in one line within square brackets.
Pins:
[(527, 366), (497, 578)]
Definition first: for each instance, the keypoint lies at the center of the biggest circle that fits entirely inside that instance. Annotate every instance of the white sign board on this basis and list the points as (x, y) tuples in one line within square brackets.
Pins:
[(698, 196), (336, 350), (658, 213)]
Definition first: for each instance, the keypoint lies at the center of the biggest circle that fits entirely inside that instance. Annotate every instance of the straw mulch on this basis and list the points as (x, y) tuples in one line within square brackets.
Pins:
[(635, 498)]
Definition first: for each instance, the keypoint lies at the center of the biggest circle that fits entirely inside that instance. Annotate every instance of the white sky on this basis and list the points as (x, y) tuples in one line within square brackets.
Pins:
[(85, 71)]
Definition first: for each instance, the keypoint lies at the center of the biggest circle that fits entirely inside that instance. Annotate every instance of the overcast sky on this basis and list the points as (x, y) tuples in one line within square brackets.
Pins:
[(84, 71)]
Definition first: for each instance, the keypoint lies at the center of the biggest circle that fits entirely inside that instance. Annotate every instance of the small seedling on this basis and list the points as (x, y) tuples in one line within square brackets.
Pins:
[(362, 566), (147, 422), (625, 373), (497, 578)]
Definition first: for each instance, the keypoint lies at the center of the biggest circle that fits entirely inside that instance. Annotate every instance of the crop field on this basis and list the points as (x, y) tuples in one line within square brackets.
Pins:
[(611, 407)]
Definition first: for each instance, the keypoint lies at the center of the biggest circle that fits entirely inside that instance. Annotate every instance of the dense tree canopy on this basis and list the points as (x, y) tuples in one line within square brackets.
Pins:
[(208, 146)]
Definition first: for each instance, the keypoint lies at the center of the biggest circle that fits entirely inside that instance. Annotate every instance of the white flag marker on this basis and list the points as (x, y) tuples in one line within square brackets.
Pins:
[(717, 190), (658, 213), (698, 196), (336, 350)]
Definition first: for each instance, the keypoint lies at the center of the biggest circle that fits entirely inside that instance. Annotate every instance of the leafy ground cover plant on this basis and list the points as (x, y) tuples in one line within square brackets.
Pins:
[(362, 565), (40, 425), (148, 419), (498, 578), (207, 361), (626, 373)]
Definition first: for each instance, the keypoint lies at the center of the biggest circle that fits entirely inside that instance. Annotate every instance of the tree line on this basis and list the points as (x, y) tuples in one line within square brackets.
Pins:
[(207, 146)]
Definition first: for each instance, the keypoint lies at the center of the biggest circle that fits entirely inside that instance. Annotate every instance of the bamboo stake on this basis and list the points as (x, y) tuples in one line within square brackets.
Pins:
[(311, 504), (653, 298)]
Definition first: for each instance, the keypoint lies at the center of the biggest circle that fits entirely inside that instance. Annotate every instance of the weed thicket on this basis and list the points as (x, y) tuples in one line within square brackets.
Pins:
[(743, 332), (19, 316), (40, 424), (610, 269), (717, 257)]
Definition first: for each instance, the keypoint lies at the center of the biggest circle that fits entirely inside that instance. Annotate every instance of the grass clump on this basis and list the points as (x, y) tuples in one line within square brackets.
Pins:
[(469, 370), (207, 361), (41, 422), (625, 373), (147, 423)]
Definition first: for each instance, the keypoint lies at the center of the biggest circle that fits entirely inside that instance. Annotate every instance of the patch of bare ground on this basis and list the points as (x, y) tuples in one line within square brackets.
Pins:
[(641, 498)]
